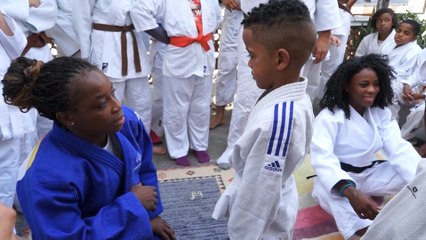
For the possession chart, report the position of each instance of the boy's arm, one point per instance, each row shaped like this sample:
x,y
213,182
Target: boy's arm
x,y
259,192
325,15
146,16
12,39
321,46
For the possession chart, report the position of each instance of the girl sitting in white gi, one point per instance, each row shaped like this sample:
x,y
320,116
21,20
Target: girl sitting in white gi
x,y
381,41
262,200
353,125
92,175
403,59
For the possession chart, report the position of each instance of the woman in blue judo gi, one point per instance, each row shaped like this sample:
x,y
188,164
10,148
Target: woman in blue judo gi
x,y
92,176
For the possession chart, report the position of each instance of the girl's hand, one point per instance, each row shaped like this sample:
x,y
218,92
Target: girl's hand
x,y
161,228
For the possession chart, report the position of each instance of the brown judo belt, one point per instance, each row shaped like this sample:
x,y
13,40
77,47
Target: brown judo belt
x,y
37,40
123,30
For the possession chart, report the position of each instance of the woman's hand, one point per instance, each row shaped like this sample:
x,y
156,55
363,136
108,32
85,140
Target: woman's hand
x,y
146,195
364,205
162,229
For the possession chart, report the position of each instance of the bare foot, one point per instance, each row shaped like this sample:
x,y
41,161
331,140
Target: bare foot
x,y
158,150
218,118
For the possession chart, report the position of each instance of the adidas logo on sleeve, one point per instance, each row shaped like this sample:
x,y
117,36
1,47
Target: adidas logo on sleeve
x,y
273,167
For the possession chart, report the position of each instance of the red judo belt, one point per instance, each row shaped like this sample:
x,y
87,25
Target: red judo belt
x,y
123,30
183,41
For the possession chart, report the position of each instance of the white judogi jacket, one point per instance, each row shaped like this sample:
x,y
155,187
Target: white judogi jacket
x,y
261,202
403,59
103,49
38,19
354,141
63,31
13,123
178,19
370,44
403,217
419,75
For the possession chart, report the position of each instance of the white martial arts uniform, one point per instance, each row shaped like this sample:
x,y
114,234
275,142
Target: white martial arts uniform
x,y
103,49
403,60
354,141
226,80
63,32
35,20
262,202
404,216
187,70
156,54
371,44
414,125
337,53
17,129
324,13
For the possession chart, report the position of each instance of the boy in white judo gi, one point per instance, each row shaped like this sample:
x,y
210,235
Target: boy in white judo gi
x,y
323,13
403,60
262,202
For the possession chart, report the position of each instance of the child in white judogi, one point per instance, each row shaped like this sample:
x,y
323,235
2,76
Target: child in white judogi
x,y
414,92
353,125
381,40
188,66
261,202
226,80
403,59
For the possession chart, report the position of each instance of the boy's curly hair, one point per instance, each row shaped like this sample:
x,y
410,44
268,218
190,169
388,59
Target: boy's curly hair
x,y
283,24
335,95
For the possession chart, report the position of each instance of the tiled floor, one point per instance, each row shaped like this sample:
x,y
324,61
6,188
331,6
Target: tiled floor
x,y
217,144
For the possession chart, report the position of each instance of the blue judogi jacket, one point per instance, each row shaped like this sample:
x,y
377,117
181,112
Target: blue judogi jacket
x,y
77,190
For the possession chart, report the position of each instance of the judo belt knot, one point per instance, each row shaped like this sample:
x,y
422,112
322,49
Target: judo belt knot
x,y
123,30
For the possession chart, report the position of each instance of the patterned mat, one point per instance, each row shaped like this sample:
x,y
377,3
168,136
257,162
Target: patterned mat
x,y
189,196
184,191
